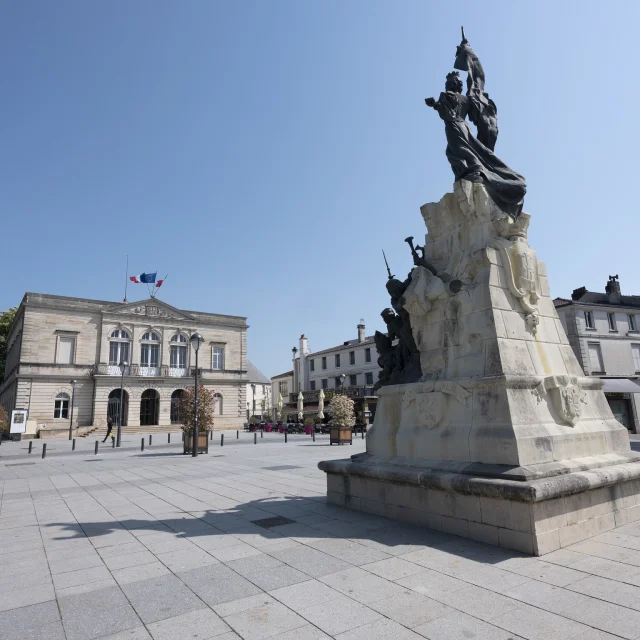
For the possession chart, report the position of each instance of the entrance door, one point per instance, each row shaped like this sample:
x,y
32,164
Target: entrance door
x,y
621,411
113,408
149,407
176,400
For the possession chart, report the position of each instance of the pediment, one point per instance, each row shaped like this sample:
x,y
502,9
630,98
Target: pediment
x,y
150,308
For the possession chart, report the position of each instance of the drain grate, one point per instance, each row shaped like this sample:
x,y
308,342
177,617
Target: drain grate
x,y
19,464
282,467
276,521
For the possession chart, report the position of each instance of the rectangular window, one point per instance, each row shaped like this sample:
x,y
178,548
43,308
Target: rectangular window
x,y
118,352
611,317
632,322
217,358
588,320
65,350
367,355
312,365
352,357
337,360
325,383
337,382
369,377
595,358
324,362
635,350
283,388
61,409
353,380
312,384
178,357
149,355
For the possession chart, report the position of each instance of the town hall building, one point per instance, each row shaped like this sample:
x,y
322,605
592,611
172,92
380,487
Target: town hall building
x,y
55,340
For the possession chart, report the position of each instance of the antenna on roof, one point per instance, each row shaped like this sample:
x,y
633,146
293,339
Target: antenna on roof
x,y
126,279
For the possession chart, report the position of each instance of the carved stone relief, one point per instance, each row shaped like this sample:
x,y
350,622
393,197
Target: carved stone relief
x,y
566,396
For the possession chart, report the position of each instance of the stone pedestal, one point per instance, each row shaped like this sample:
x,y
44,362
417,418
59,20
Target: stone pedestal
x,y
503,439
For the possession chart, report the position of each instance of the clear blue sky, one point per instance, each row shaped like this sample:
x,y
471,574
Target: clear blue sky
x,y
262,153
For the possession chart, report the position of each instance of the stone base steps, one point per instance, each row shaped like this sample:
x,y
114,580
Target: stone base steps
x,y
143,430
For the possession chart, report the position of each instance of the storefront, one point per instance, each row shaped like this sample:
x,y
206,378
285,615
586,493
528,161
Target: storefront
x,y
622,394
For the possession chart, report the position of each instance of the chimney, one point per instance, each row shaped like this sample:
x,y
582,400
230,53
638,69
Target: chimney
x,y
304,348
613,290
361,335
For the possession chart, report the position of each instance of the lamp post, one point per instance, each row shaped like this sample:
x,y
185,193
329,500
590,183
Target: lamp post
x,y
73,397
196,341
253,388
294,351
342,377
123,365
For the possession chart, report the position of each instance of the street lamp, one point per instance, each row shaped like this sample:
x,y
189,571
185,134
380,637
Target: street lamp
x,y
196,341
73,397
253,388
123,365
342,377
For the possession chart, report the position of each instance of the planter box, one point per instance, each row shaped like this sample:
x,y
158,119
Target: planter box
x,y
340,435
203,443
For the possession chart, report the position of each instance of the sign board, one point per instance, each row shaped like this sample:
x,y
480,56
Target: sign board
x,y
18,421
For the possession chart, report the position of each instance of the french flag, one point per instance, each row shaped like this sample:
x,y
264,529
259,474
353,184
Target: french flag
x,y
146,278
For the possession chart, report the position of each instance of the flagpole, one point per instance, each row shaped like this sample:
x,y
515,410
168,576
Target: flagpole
x,y
126,279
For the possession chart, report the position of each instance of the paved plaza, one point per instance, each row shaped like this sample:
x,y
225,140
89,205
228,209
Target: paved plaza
x,y
240,543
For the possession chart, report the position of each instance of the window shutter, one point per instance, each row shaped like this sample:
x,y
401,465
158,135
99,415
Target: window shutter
x,y
65,350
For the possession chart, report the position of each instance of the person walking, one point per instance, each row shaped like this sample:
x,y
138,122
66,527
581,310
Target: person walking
x,y
109,429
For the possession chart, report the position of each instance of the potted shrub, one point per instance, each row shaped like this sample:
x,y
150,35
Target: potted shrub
x,y
206,403
342,420
309,422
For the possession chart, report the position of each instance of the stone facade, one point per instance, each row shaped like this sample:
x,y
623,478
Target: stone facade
x,y
56,339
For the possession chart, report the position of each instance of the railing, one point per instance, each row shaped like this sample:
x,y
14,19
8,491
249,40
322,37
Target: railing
x,y
351,392
137,370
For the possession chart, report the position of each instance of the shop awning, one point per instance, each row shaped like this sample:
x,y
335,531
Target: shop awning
x,y
620,385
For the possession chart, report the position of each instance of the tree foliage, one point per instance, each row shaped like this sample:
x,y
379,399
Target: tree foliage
x,y
6,319
4,420
206,405
341,411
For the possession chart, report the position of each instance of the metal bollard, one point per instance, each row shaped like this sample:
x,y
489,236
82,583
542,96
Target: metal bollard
x,y
237,434
255,438
211,435
285,437
262,433
363,430
183,436
113,443
44,449
73,445
168,438
96,449
150,437
142,445
222,439
30,445
313,435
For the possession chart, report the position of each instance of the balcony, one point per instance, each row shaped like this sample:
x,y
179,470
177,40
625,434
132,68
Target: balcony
x,y
138,371
351,392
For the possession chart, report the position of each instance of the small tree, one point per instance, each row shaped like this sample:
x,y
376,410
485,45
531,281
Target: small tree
x,y
4,420
341,411
206,404
310,420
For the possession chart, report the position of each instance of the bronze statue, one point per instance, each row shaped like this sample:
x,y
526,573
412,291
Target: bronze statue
x,y
469,157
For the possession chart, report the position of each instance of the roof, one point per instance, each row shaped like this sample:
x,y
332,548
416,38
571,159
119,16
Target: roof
x,y
591,299
255,375
345,345
283,375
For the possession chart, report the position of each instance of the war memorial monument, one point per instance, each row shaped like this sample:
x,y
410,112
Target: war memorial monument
x,y
486,426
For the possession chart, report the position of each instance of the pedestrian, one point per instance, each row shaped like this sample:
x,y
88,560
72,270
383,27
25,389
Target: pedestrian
x,y
109,429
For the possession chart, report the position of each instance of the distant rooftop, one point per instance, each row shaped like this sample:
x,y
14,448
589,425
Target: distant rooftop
x,y
344,345
255,375
612,297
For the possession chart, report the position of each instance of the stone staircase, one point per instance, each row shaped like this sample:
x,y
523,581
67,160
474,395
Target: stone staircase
x,y
101,432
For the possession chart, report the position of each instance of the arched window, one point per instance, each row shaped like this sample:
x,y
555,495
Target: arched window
x,y
118,350
150,354
217,410
178,355
176,406
61,408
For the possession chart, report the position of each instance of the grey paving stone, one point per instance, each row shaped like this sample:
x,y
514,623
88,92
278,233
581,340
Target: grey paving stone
x,y
535,624
217,583
410,608
264,621
236,606
82,576
277,577
200,624
140,572
307,632
541,570
310,561
253,564
392,568
135,633
626,595
305,594
74,563
114,562
185,559
606,616
338,616
85,588
160,598
362,585
480,603
457,626
34,622
14,598
349,551
382,630
546,596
